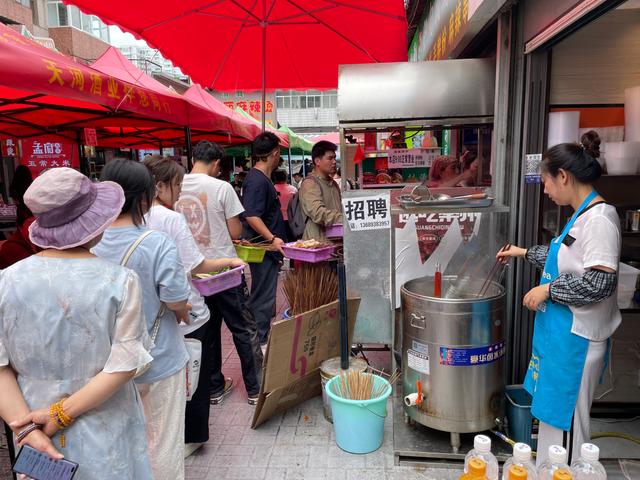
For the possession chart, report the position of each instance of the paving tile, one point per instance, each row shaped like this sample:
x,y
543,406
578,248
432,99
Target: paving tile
x,y
306,474
341,459
276,474
366,474
229,449
261,456
196,472
232,460
288,460
245,473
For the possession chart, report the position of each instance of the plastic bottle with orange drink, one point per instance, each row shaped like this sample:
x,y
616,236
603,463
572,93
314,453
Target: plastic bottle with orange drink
x,y
476,470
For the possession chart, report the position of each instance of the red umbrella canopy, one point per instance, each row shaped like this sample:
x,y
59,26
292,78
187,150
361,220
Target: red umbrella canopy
x,y
224,44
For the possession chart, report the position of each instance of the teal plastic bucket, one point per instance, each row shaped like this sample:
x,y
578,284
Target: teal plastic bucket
x,y
359,424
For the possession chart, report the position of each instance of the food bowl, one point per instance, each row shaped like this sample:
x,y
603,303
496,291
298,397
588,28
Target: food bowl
x,y
219,282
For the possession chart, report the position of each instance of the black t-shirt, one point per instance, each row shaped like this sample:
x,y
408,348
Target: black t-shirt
x,y
260,199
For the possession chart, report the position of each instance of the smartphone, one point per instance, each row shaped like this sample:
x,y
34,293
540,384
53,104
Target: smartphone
x,y
41,466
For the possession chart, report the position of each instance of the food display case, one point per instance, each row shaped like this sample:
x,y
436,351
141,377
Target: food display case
x,y
447,105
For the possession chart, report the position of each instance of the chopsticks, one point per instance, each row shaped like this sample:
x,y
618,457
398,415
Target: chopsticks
x,y
494,269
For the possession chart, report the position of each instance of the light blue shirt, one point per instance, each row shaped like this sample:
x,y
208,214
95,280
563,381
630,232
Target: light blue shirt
x,y
162,278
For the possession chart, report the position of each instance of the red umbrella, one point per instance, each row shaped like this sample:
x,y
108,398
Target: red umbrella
x,y
263,44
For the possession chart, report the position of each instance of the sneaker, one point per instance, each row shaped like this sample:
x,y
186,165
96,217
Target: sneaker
x,y
253,399
217,398
190,448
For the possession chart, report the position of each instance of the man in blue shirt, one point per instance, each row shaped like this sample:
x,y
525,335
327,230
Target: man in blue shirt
x,y
263,218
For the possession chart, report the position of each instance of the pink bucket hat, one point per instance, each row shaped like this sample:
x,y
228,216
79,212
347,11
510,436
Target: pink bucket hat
x,y
70,209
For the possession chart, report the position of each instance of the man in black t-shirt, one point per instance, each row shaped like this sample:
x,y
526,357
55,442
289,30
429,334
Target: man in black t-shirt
x,y
263,219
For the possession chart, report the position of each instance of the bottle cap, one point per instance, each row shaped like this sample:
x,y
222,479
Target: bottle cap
x,y
557,454
521,452
517,472
562,474
590,452
482,444
477,467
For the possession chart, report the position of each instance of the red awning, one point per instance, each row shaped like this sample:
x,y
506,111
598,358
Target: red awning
x,y
333,137
244,126
225,44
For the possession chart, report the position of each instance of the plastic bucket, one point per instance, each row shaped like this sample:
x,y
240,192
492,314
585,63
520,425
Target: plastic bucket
x,y
519,418
331,368
359,424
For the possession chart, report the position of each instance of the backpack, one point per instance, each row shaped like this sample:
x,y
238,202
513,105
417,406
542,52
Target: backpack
x,y
297,218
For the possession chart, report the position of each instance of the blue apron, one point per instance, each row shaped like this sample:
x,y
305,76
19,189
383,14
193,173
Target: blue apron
x,y
558,356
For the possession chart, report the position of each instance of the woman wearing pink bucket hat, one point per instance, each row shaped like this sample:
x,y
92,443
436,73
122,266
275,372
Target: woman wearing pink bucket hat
x,y
72,335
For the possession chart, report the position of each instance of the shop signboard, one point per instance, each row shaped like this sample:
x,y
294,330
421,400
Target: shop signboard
x,y
90,137
10,147
251,102
410,157
367,213
432,227
42,153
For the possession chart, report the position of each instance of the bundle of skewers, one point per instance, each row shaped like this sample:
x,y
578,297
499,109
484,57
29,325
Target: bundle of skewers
x,y
310,286
253,242
355,385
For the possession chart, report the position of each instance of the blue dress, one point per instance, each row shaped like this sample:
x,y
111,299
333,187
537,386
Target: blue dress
x,y
62,321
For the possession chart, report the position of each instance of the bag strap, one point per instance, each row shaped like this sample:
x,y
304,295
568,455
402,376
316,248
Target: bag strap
x,y
124,261
133,247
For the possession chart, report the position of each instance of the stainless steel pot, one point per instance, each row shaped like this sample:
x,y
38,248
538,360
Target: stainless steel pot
x,y
455,348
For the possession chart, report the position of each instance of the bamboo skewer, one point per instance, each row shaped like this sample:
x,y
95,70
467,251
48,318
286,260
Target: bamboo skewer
x,y
310,287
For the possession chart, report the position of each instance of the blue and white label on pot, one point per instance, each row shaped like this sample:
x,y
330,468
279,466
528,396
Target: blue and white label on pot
x,y
420,347
418,361
457,357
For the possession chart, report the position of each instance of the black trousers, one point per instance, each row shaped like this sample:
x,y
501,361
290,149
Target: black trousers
x,y
231,306
264,287
197,412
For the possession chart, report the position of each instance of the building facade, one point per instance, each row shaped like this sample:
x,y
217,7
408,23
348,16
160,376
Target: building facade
x,y
55,24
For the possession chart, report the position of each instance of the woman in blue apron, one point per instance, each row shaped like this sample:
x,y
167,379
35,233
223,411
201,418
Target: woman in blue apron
x,y
575,303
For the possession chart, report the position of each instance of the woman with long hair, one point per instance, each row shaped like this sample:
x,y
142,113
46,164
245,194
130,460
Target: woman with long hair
x,y
168,176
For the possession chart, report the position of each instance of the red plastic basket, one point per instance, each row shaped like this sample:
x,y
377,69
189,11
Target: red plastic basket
x,y
308,254
220,282
334,231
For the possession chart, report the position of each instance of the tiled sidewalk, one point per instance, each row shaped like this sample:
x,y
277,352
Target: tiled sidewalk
x,y
298,444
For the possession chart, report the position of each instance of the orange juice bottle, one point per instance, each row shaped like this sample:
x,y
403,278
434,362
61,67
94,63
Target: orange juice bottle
x,y
477,470
562,474
516,472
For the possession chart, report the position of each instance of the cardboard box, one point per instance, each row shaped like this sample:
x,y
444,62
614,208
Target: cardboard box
x,y
296,349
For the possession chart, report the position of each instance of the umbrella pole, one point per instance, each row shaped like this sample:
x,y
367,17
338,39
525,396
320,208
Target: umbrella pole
x,y
264,66
290,168
344,322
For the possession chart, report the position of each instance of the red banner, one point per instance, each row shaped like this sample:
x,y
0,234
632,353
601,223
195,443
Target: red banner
x,y
90,137
49,152
10,147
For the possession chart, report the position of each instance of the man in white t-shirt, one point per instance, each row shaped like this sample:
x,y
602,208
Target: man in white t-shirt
x,y
212,210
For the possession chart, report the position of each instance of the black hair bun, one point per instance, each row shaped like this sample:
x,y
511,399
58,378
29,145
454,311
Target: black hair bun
x,y
591,143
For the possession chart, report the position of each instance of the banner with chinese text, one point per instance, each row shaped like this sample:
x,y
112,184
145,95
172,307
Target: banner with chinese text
x,y
367,213
49,152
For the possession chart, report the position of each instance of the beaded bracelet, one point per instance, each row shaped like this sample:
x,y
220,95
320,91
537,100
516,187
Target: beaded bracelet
x,y
59,416
27,430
